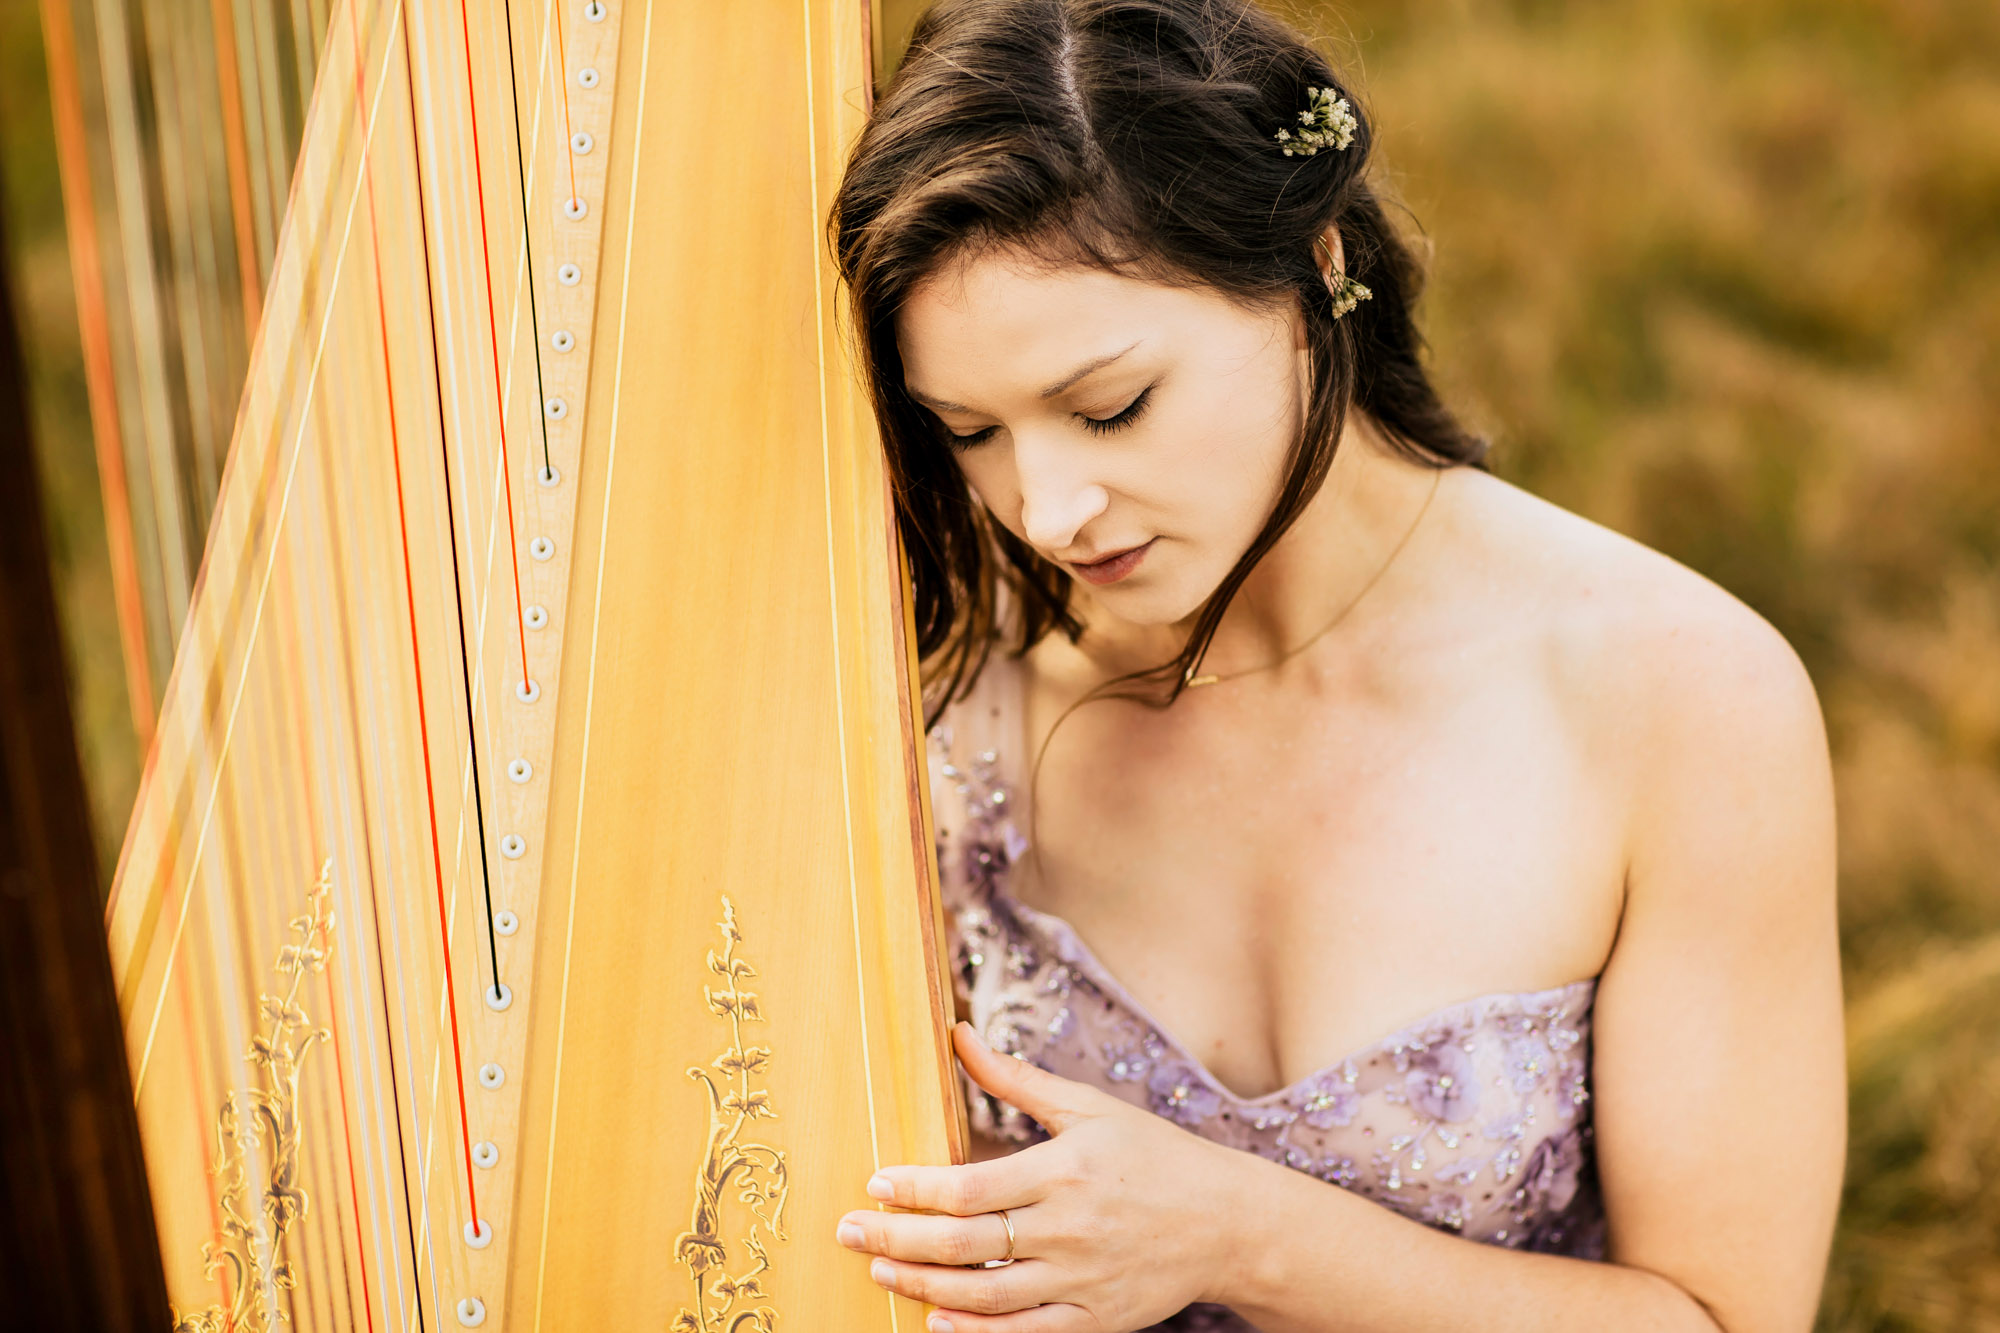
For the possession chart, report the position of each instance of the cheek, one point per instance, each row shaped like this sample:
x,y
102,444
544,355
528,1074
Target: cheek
x,y
1223,464
993,485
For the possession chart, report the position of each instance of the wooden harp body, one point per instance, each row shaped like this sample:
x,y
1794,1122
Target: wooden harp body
x,y
527,921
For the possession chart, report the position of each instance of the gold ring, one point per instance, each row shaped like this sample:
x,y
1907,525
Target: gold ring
x,y
1007,1222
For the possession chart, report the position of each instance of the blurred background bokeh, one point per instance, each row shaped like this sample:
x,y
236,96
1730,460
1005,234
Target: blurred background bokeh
x,y
1721,274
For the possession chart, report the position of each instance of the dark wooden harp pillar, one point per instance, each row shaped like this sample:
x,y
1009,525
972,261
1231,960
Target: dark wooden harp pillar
x,y
528,918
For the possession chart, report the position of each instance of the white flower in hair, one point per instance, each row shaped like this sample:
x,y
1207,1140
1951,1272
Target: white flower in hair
x,y
1328,121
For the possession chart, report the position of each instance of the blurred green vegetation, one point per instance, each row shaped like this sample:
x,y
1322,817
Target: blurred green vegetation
x,y
1721,274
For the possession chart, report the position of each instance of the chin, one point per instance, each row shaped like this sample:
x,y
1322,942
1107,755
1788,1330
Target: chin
x,y
1146,607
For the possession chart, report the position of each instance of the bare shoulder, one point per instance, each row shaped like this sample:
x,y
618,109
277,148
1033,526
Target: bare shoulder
x,y
1663,669
1717,1024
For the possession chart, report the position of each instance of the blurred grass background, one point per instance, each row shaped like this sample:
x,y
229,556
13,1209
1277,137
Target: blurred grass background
x,y
1725,275
38,262
1721,274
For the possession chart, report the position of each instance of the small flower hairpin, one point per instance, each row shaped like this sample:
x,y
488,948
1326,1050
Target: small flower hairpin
x,y
1347,293
1328,122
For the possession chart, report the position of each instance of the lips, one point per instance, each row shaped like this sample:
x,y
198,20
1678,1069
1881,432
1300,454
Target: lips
x,y
1113,567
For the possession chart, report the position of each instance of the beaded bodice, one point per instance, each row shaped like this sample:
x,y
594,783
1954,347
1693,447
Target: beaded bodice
x,y
1474,1119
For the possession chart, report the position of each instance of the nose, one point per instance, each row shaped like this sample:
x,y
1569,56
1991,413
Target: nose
x,y
1057,497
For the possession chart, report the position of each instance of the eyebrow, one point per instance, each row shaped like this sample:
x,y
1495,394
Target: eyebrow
x,y
1065,382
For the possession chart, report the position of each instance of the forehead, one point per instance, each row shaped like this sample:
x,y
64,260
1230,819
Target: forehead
x,y
995,319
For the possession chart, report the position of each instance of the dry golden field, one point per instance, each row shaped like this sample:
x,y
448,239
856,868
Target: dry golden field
x,y
1721,274
1725,275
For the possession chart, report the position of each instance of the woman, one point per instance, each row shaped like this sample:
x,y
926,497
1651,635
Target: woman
x,y
1457,875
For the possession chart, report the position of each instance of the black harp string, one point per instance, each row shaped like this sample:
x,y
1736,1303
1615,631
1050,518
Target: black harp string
x,y
450,510
527,240
350,676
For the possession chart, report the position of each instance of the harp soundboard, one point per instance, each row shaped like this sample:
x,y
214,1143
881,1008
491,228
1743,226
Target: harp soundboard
x,y
528,917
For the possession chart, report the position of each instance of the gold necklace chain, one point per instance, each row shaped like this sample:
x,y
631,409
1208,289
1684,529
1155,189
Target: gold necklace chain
x,y
1194,680
1042,750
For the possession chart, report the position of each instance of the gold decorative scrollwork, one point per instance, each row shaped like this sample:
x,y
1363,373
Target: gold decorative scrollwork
x,y
755,1171
251,1248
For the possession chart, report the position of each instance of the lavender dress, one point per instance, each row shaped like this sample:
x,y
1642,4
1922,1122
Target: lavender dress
x,y
1474,1119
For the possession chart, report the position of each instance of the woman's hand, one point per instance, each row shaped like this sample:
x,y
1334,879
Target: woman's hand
x,y
1119,1220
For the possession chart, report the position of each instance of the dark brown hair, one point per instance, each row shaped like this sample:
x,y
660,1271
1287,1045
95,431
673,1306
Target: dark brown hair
x,y
1136,136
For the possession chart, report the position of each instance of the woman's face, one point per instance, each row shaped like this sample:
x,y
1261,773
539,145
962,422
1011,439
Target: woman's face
x,y
1096,414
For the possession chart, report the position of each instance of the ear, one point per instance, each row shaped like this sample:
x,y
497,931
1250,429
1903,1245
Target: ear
x,y
1329,255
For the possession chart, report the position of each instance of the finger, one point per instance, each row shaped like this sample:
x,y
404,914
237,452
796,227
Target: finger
x,y
1061,1317
931,1238
1021,1285
1055,1102
1013,1181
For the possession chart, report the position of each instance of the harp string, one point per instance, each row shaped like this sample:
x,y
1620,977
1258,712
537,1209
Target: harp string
x,y
390,1148
298,684
301,700
450,509
493,341
527,242
562,84
410,603
631,184
833,590
259,605
321,707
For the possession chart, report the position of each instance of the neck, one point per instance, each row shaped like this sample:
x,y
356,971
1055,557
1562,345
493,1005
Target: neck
x,y
1343,546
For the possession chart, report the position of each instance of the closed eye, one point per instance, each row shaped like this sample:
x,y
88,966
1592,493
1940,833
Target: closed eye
x,y
962,442
1095,425
1133,411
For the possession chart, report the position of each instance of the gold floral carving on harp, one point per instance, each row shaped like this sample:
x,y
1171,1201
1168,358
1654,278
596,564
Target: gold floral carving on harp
x,y
756,1171
251,1247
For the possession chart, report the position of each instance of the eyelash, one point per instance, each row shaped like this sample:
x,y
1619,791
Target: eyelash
x,y
1095,425
1133,411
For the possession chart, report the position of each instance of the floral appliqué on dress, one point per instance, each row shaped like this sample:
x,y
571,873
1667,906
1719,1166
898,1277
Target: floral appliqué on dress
x,y
1474,1120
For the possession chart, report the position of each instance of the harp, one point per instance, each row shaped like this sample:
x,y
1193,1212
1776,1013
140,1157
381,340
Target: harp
x,y
527,919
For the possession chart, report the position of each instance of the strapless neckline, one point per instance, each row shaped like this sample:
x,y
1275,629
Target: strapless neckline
x,y
1055,928
1474,1118
1076,951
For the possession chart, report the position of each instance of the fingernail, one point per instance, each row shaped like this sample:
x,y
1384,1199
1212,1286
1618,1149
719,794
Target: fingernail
x,y
879,1270
879,1187
939,1324
849,1235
